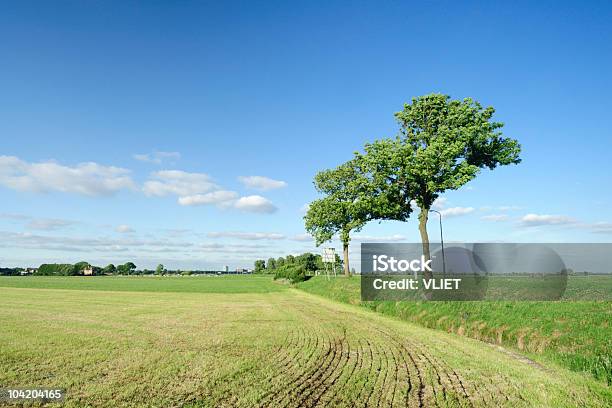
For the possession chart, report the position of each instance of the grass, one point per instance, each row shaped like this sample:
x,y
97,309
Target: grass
x,y
574,334
193,284
221,346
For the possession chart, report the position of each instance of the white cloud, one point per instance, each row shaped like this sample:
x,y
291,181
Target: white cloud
x,y
86,244
601,227
495,217
456,211
509,208
302,238
157,157
246,235
255,203
124,229
49,224
261,183
45,224
199,189
220,197
91,179
531,220
179,183
439,203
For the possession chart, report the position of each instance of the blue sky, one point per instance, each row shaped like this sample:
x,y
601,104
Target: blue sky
x,y
131,131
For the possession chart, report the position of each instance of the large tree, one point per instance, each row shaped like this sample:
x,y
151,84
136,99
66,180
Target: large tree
x,y
343,209
443,144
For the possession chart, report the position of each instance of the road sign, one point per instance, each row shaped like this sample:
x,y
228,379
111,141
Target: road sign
x,y
329,255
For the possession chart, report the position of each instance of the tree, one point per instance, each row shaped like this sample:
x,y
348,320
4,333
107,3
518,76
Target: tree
x,y
280,262
160,269
443,144
346,207
79,267
271,264
127,268
308,261
260,266
55,269
109,269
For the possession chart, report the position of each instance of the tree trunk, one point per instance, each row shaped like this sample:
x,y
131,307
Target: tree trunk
x,y
347,271
423,216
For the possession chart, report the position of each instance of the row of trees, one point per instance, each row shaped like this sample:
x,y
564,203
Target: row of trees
x,y
11,271
77,269
442,144
294,268
312,262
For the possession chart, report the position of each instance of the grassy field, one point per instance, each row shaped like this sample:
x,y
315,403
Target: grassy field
x,y
197,284
575,334
224,345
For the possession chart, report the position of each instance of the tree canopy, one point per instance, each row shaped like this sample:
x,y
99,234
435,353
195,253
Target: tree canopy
x,y
443,144
344,208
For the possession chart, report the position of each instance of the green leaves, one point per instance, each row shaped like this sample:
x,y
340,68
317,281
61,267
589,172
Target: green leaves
x,y
442,145
344,208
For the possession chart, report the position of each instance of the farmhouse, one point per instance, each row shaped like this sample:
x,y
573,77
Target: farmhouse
x,y
88,271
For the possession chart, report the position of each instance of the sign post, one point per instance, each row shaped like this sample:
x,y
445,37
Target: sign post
x,y
329,257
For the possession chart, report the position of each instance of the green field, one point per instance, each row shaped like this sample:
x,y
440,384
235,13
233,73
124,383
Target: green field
x,y
197,284
573,333
247,341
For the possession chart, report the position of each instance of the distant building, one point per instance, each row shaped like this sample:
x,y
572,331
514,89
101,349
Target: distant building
x,y
28,271
88,271
226,268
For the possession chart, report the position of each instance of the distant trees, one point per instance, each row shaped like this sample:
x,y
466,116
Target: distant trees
x,y
126,269
77,269
10,271
56,269
160,270
260,266
109,269
293,268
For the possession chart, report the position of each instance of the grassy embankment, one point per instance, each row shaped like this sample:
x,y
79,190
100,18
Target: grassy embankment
x,y
575,333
